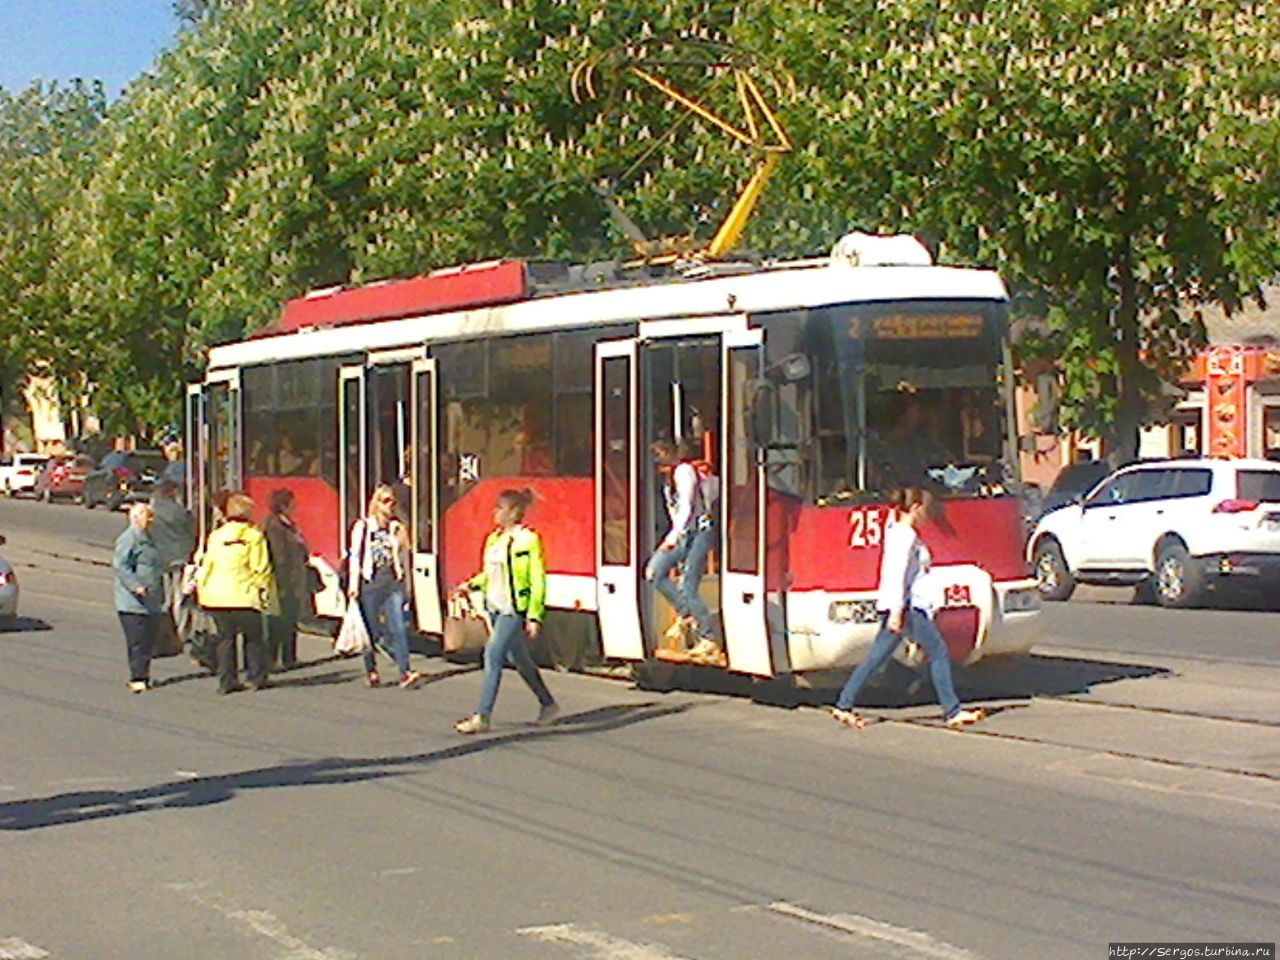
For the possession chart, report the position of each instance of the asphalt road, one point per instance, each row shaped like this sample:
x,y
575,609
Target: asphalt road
x,y
1125,789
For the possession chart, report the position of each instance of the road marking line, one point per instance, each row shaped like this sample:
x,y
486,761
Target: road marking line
x,y
11,948
922,944
602,945
266,925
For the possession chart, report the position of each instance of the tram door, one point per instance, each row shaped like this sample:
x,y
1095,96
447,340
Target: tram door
x,y
424,496
351,424
193,452
219,443
616,473
742,517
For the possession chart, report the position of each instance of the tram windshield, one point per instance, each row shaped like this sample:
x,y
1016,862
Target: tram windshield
x,y
902,393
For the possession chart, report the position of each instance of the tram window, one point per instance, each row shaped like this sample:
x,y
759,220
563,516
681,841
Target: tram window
x,y
574,353
575,432
574,439
519,408
464,370
387,433
898,393
289,411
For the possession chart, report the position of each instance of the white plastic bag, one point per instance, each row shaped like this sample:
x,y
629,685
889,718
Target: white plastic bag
x,y
353,635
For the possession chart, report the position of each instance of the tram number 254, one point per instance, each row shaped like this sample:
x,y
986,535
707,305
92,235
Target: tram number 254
x,y
866,527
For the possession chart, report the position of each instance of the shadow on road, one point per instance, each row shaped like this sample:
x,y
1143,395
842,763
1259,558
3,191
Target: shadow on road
x,y
23,625
1001,678
82,806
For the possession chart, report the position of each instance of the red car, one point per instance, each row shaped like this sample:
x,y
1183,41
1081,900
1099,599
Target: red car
x,y
63,476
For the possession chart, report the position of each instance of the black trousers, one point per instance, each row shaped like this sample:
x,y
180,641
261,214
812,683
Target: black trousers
x,y
233,624
282,632
139,633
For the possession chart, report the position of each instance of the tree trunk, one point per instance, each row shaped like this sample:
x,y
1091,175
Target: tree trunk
x,y
1123,436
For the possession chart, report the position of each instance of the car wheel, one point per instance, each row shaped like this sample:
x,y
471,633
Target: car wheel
x,y
1178,580
1055,579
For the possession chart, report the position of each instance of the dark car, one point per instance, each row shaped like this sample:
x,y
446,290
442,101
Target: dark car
x,y
1073,482
123,476
63,476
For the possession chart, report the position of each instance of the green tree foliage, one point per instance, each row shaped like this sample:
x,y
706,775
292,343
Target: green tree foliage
x,y
47,141
1114,158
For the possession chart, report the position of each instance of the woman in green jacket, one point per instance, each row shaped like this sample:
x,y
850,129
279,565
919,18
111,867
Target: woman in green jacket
x,y
234,585
513,580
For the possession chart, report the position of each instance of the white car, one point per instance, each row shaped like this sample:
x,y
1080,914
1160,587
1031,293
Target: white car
x,y
1174,527
18,473
8,589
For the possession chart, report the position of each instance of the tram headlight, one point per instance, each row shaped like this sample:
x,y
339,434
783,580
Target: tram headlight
x,y
853,611
1022,601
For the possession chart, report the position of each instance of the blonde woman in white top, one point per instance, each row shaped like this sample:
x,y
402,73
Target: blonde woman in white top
x,y
906,607
376,577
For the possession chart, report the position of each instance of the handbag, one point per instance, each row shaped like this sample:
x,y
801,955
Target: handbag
x,y
353,635
465,628
165,641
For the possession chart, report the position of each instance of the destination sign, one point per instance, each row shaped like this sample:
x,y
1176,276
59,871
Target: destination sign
x,y
927,326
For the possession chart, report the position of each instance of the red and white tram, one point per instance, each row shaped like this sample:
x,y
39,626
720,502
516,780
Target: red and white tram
x,y
812,386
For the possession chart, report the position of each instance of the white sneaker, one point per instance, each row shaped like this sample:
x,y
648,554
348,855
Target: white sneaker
x,y
963,717
547,715
137,686
705,649
473,724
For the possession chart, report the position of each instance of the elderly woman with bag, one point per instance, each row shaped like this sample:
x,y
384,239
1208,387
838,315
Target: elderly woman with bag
x,y
234,584
139,592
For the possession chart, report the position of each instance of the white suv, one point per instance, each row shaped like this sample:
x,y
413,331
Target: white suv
x,y
18,474
1175,528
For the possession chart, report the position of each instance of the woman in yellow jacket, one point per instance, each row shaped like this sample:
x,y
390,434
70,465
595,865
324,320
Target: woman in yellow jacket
x,y
234,585
513,581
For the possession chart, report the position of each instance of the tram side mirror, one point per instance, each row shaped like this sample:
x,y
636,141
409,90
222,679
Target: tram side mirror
x,y
763,409
791,368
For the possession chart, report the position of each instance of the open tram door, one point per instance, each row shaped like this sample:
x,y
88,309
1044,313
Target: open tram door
x,y
422,483
741,511
193,451
617,565
214,457
351,424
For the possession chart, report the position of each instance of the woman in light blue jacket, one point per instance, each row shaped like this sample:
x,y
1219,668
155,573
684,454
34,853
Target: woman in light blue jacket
x,y
139,592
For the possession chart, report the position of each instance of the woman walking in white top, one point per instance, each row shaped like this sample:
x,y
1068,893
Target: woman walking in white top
x,y
903,601
376,578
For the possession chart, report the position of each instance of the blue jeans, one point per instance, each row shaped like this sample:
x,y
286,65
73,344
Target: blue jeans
x,y
925,632
506,645
383,609
691,552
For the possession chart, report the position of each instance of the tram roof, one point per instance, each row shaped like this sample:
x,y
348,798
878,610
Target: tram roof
x,y
572,298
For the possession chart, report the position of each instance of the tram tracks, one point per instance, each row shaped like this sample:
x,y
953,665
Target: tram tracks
x,y
1100,749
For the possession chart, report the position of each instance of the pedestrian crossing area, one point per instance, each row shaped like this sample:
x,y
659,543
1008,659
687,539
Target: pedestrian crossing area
x,y
775,929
